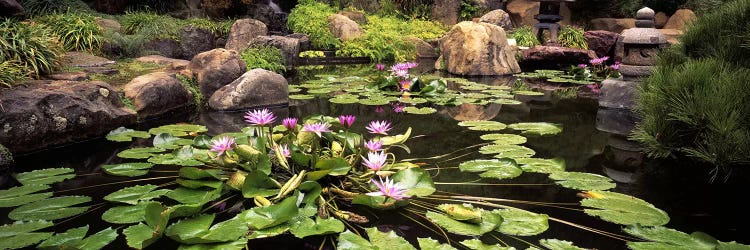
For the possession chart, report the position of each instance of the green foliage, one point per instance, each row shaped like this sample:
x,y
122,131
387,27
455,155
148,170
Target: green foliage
x,y
127,70
468,10
311,18
75,31
265,57
43,7
524,36
623,209
11,72
50,209
218,28
32,46
45,176
150,25
704,6
727,27
572,37
130,45
190,84
379,46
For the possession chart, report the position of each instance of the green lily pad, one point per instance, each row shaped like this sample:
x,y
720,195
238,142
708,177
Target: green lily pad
x,y
123,134
235,245
430,244
198,230
168,141
420,111
483,125
142,235
129,169
318,226
321,91
301,97
126,214
476,244
537,128
507,151
268,232
276,214
522,223
495,92
489,222
45,176
477,96
74,239
536,165
495,168
582,181
179,130
506,101
665,238
507,139
194,173
343,100
555,244
193,196
17,196
387,240
50,209
417,181
139,153
396,139
374,101
133,195
623,209
415,100
294,89
181,157
259,184
22,234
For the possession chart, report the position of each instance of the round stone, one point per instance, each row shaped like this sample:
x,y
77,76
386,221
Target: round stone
x,y
645,14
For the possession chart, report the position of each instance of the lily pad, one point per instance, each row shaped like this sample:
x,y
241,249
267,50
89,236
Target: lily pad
x,y
416,181
522,223
489,222
373,101
420,111
318,226
133,195
343,100
507,139
582,181
123,134
45,176
129,169
537,128
528,93
496,168
665,238
74,239
181,157
235,245
264,217
415,100
142,235
387,240
507,151
537,165
193,196
294,89
198,230
476,244
430,244
258,184
139,153
477,96
623,209
22,234
301,97
555,244
268,232
168,141
17,196
321,91
50,209
507,101
483,125
473,87
126,214
179,130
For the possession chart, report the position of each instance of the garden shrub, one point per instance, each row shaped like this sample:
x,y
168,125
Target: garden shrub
x,y
129,45
384,38
704,6
524,36
43,7
723,34
572,37
75,31
150,25
10,73
31,45
264,57
468,11
311,18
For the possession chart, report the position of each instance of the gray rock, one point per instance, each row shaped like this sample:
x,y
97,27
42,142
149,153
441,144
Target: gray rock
x,y
69,76
110,25
195,40
163,46
357,17
243,31
171,63
551,56
304,41
619,94
616,121
446,11
215,68
344,28
84,60
602,42
289,47
424,49
157,94
10,8
660,19
499,18
474,48
257,87
616,25
43,114
634,72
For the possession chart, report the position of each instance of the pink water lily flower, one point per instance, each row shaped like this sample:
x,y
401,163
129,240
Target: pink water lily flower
x,y
347,120
289,123
582,65
398,107
284,150
389,189
317,128
598,61
379,127
260,117
375,160
374,145
380,67
222,144
615,66
405,85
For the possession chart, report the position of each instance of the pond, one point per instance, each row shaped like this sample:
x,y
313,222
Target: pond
x,y
439,145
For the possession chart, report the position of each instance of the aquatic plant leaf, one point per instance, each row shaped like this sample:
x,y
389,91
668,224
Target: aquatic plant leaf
x,y
420,111
342,100
50,209
318,226
623,209
495,92
387,240
507,151
502,173
337,166
522,223
477,96
235,245
732,246
474,87
126,214
665,238
197,173
379,202
202,141
59,240
293,89
215,184
179,130
396,139
476,244
193,196
484,165
123,134
130,169
45,176
321,91
98,240
181,157
506,101
582,181
410,100
528,93
489,222
301,97
555,244
168,141
198,230
17,196
483,125
265,217
373,101
133,195
21,234
537,165
142,235
268,232
416,181
537,128
139,153
350,241
507,139
258,184
430,244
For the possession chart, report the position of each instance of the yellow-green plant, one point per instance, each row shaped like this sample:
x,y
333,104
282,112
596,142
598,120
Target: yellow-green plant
x,y
524,37
11,72
219,28
75,31
311,17
265,57
150,25
43,7
31,45
572,37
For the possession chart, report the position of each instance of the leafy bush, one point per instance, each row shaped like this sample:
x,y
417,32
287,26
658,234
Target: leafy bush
x,y
191,85
379,46
468,10
43,7
150,25
728,31
219,28
32,46
265,57
75,31
11,72
704,6
572,37
524,37
311,18
129,45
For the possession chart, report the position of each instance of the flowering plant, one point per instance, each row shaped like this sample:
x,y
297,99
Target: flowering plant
x,y
597,70
398,78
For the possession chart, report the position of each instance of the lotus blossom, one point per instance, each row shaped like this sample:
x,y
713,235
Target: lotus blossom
x,y
380,67
615,66
389,189
404,66
317,128
400,72
379,127
398,107
347,120
375,160
284,150
598,61
405,85
582,65
260,117
289,123
222,144
374,145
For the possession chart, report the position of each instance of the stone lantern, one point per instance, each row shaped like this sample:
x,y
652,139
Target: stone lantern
x,y
549,15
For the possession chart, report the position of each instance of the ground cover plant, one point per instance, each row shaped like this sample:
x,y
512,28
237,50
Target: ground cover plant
x,y
32,46
265,57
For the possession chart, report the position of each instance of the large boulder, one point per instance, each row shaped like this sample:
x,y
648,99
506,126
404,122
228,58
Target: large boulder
x,y
215,68
424,49
673,36
475,48
11,8
522,12
274,19
355,16
170,63
499,18
616,25
660,19
46,113
344,28
446,11
110,25
554,57
602,42
195,40
157,93
257,87
163,46
680,19
243,31
289,47
304,41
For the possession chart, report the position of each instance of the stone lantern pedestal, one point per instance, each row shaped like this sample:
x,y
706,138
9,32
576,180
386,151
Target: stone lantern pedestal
x,y
549,15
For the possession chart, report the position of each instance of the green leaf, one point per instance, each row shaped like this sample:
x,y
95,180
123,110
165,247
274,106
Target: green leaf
x,y
489,222
236,245
536,165
197,173
50,209
732,246
387,240
265,217
665,238
417,181
350,241
142,235
555,244
198,230
181,157
420,111
623,209
337,166
301,97
269,232
507,101
378,202
476,244
202,141
178,129
259,184
430,244
123,134
483,125
126,214
133,195
139,153
373,101
522,223
21,234
168,141
495,168
215,184
62,240
318,226
396,139
17,196
507,151
99,240
45,176
130,169
582,181
507,139
193,196
528,93
537,128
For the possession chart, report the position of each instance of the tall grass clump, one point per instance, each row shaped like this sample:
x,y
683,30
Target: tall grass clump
x,y
150,25
524,36
32,46
697,102
572,37
264,57
11,72
311,17
44,7
384,38
75,31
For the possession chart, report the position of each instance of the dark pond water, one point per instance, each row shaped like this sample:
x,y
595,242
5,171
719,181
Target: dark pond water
x,y
682,190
